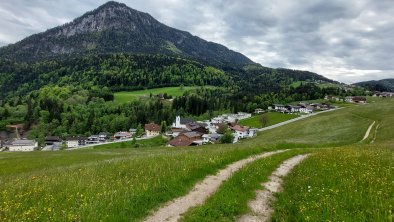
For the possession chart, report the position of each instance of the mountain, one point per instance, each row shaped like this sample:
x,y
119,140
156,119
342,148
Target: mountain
x,y
116,28
384,85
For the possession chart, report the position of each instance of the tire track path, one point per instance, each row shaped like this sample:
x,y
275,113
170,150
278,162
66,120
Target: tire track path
x,y
173,210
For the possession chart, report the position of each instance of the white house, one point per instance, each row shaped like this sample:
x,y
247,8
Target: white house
x,y
306,109
23,145
240,131
279,107
252,132
294,109
152,129
205,138
73,142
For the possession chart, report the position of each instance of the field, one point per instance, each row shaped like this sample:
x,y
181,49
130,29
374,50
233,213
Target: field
x,y
153,142
118,184
347,184
273,118
124,97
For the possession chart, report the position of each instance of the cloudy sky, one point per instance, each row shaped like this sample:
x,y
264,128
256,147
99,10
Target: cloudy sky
x,y
349,41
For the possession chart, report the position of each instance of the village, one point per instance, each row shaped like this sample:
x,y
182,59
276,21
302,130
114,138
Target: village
x,y
183,131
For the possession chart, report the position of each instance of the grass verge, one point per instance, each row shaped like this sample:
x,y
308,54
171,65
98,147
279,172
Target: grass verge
x,y
346,184
120,189
273,117
153,142
230,201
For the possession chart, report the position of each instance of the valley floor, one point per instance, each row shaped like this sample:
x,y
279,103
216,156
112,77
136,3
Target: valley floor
x,y
345,176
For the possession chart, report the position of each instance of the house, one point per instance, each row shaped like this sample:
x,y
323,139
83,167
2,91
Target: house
x,y
181,122
252,132
122,135
180,141
51,140
132,131
104,136
197,127
349,99
293,109
93,139
259,110
152,129
73,142
306,109
240,132
359,99
23,145
205,138
214,137
279,107
174,132
187,139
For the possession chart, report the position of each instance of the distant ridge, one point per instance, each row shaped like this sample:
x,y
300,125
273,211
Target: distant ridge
x,y
378,85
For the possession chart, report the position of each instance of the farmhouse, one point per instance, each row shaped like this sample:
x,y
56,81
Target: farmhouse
x,y
240,131
306,109
122,135
93,139
51,140
73,142
23,145
197,127
152,129
259,110
279,107
187,139
104,136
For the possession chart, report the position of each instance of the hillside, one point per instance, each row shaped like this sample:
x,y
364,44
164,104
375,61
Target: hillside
x,y
384,85
116,28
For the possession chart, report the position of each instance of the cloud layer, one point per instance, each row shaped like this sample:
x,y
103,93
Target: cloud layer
x,y
348,41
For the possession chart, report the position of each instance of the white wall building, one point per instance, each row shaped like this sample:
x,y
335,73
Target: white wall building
x,y
23,145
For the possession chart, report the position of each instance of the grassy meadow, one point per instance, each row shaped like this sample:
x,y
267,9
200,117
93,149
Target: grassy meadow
x,y
273,118
347,184
152,142
127,184
124,97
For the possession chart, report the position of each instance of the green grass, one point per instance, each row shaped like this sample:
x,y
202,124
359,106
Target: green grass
x,y
273,117
153,142
124,97
231,199
351,184
126,184
122,188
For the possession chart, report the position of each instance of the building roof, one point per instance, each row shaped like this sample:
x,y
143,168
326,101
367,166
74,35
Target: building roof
x,y
192,134
194,126
121,134
185,121
152,127
23,143
239,128
180,141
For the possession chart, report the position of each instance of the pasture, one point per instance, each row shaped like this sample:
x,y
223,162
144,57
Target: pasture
x,y
119,184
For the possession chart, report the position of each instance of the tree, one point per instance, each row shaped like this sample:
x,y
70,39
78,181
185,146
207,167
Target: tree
x,y
227,137
264,120
163,126
222,128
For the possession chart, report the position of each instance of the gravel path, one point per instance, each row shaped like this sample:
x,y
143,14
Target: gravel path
x,y
173,210
368,131
260,207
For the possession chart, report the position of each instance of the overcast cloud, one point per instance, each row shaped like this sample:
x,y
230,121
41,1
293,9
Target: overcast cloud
x,y
349,41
